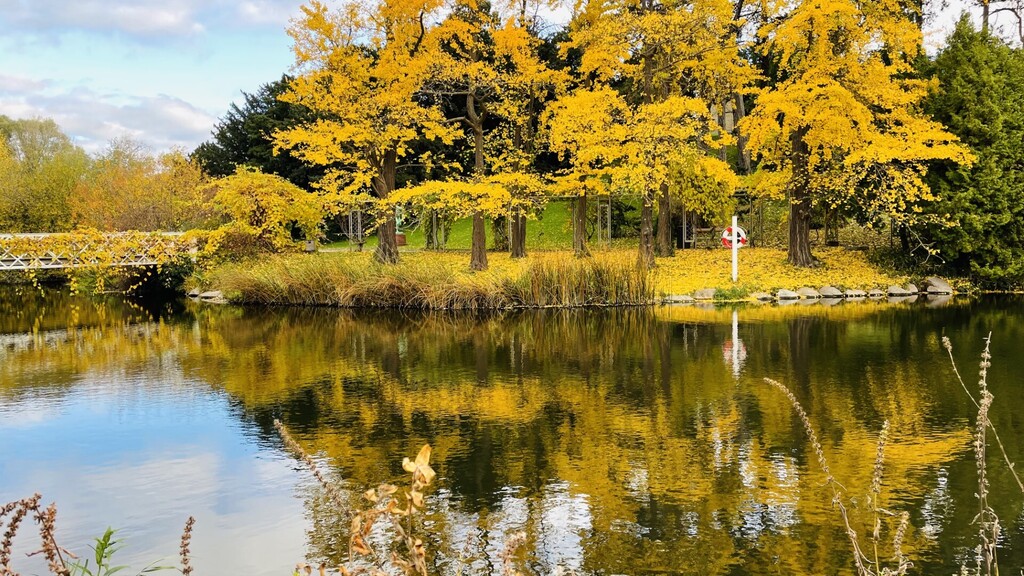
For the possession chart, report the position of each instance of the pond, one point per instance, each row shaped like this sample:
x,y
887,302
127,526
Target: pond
x,y
620,441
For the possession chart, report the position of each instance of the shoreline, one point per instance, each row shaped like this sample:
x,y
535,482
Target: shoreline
x,y
443,281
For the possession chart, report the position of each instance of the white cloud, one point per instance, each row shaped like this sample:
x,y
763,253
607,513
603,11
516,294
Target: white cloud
x,y
148,20
161,122
267,12
143,18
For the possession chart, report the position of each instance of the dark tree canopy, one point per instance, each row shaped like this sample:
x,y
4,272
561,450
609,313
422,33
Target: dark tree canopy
x,y
981,100
244,136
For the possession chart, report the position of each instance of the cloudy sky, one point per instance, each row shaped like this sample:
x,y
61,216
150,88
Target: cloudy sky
x,y
158,71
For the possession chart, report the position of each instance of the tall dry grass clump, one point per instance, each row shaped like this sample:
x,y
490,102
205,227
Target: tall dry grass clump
x,y
60,561
320,280
986,520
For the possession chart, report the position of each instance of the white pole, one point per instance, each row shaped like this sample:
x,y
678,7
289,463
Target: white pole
x,y
735,247
735,343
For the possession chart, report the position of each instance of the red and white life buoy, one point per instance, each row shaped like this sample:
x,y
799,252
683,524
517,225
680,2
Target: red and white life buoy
x,y
727,237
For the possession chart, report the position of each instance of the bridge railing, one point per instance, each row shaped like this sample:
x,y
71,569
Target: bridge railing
x,y
83,249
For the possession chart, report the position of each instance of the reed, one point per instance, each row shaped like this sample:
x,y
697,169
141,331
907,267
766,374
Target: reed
x,y
186,542
323,280
330,488
865,566
989,528
987,521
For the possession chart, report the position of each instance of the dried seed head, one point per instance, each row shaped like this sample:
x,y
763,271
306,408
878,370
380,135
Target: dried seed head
x,y
876,477
186,541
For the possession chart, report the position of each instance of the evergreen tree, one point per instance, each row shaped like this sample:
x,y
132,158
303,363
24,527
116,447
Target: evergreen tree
x,y
980,99
245,137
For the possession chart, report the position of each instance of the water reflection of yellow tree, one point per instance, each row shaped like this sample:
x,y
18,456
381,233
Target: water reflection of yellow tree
x,y
617,440
585,415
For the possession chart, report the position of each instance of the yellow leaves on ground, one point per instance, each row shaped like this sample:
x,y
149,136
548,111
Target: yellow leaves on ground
x,y
766,269
761,269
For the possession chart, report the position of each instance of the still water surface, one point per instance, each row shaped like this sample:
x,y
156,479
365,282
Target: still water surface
x,y
621,441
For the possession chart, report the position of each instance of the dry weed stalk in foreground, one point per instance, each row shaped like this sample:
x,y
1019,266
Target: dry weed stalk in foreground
x,y
186,541
985,554
865,566
400,513
986,557
46,518
104,548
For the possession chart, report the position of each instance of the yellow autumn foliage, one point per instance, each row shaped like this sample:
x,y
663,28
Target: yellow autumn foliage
x,y
843,125
266,207
359,69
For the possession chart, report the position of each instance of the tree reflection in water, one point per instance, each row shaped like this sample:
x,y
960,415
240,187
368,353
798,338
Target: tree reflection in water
x,y
621,441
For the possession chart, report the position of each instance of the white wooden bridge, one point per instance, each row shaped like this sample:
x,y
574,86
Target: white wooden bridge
x,y
22,252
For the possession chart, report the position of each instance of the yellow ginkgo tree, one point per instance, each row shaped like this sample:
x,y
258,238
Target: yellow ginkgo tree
x,y
498,195
484,60
843,125
360,70
617,148
655,51
265,208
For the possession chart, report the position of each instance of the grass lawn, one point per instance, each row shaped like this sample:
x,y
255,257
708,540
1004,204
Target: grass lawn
x,y
551,231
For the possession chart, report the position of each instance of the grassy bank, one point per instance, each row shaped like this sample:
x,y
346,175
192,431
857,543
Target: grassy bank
x,y
430,280
435,282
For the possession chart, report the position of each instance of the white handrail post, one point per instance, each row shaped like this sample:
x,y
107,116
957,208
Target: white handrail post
x,y
735,247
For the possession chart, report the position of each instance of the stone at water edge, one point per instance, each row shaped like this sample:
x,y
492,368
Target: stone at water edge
x,y
212,295
856,294
830,292
678,299
809,293
762,297
787,295
898,292
901,299
876,293
704,294
194,293
936,285
912,288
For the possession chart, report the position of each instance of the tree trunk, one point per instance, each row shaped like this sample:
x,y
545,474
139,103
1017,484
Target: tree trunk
x,y
664,247
478,250
430,230
499,229
800,204
383,184
478,257
647,232
723,152
743,154
519,234
985,16
579,226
